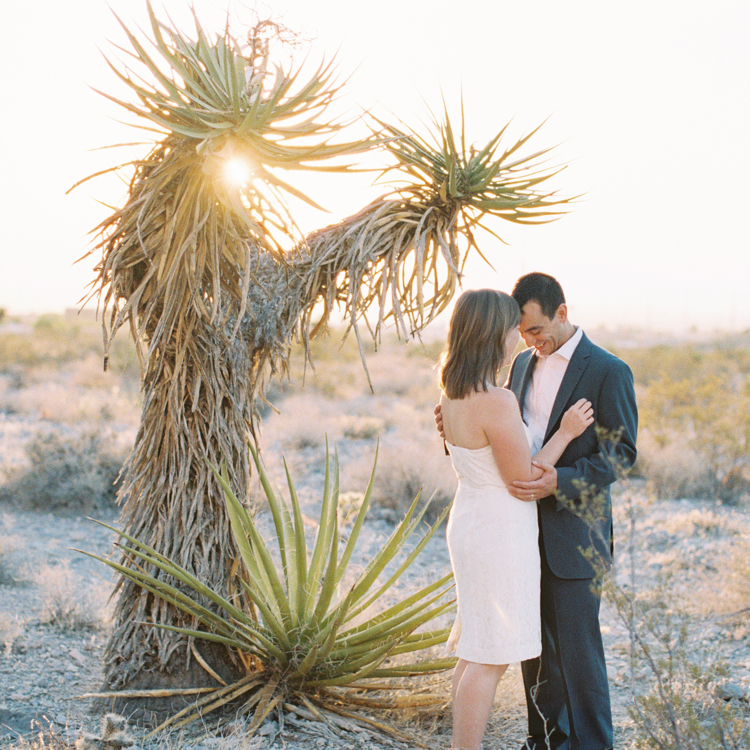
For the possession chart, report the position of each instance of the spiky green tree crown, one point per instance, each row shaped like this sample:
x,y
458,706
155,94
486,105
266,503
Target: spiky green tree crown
x,y
223,95
467,183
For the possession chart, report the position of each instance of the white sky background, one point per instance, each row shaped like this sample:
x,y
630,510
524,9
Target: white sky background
x,y
650,101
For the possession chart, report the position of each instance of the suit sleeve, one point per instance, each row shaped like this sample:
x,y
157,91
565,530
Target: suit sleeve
x,y
616,415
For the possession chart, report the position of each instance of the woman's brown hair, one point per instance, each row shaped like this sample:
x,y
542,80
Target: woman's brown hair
x,y
475,351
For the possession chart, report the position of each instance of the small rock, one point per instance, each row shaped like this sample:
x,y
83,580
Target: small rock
x,y
77,656
731,691
61,719
268,728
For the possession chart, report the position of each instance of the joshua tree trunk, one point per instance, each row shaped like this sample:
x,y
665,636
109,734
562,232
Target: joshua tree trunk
x,y
197,409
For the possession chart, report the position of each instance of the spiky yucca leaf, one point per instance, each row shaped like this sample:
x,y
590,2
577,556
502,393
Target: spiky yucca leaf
x,y
308,637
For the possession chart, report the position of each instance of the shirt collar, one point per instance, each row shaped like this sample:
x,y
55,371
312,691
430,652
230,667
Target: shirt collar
x,y
567,349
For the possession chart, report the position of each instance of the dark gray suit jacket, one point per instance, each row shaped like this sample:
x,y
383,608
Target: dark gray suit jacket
x,y
581,515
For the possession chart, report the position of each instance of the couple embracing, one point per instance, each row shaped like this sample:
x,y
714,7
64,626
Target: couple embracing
x,y
530,458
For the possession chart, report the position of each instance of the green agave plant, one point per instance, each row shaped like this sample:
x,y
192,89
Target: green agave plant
x,y
304,642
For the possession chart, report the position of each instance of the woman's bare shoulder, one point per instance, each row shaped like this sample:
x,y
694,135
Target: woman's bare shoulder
x,y
499,400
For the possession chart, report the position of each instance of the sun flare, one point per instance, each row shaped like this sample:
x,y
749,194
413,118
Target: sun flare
x,y
237,171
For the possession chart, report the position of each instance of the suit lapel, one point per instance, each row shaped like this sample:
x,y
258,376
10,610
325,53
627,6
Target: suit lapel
x,y
576,366
520,384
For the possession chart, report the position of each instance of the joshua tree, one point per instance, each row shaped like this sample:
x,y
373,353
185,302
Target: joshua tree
x,y
215,282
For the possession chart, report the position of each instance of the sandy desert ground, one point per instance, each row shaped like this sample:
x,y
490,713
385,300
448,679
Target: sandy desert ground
x,y
686,557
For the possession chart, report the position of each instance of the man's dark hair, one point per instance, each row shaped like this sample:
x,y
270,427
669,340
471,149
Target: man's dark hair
x,y
541,288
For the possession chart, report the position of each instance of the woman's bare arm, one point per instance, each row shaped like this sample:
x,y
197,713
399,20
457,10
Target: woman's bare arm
x,y
502,424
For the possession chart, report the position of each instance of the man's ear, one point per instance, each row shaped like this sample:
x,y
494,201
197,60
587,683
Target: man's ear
x,y
562,313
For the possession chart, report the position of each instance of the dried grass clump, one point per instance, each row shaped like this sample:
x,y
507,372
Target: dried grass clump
x,y
11,629
673,470
408,465
44,738
7,570
66,607
75,474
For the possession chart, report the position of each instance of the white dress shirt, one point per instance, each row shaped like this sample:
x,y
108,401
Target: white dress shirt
x,y
545,383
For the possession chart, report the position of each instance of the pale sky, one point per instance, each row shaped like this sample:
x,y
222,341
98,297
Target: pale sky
x,y
650,102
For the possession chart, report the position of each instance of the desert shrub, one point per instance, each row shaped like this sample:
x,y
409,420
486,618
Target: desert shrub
x,y
407,466
11,629
7,571
681,693
65,607
76,473
678,681
699,408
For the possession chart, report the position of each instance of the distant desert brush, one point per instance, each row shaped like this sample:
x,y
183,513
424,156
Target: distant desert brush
x,y
69,473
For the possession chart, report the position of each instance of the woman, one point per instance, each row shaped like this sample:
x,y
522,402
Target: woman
x,y
492,537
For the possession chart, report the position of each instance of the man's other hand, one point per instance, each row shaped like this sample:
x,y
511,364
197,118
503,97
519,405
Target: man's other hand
x,y
538,488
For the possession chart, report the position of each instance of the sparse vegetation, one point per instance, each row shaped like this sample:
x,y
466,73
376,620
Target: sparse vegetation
x,y
64,607
691,602
77,474
7,573
694,405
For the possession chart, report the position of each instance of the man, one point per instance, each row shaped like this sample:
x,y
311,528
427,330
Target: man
x,y
567,693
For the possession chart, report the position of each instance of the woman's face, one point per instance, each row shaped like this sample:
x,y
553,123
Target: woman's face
x,y
511,342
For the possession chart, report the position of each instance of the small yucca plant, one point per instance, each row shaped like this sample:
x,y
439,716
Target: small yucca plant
x,y
304,641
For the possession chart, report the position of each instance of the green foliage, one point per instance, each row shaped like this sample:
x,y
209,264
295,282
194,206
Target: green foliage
x,y
312,628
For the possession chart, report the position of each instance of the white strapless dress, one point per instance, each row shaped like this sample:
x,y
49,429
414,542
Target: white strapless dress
x,y
494,550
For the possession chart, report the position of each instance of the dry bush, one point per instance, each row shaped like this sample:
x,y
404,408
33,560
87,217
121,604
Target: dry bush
x,y
674,470
76,474
407,465
65,606
7,570
11,629
695,413
679,681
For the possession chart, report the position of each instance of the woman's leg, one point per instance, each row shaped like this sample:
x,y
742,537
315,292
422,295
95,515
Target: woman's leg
x,y
458,672
474,688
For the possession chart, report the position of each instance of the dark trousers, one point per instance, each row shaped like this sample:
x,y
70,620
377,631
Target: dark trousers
x,y
567,693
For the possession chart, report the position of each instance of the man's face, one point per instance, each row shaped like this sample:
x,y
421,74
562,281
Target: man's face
x,y
545,335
